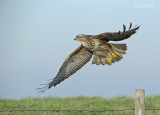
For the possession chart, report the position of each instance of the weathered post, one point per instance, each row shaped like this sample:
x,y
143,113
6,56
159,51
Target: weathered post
x,y
139,102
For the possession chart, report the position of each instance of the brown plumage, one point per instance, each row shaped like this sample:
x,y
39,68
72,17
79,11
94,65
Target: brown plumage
x,y
96,45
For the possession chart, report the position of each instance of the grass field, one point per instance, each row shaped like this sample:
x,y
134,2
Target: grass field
x,y
77,103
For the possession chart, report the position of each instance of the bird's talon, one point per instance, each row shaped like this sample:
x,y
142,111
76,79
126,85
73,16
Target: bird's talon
x,y
114,55
109,60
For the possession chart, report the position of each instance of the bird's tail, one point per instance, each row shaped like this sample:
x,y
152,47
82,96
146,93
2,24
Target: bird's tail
x,y
119,48
109,57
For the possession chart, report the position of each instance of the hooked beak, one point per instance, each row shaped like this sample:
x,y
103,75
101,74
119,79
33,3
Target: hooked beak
x,y
75,38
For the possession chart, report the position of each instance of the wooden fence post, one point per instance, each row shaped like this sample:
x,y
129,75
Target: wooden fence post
x,y
139,102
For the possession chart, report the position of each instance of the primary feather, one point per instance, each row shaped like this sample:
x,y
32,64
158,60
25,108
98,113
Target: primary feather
x,y
118,36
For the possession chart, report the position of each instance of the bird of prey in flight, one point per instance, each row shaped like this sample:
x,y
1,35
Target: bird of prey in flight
x,y
96,46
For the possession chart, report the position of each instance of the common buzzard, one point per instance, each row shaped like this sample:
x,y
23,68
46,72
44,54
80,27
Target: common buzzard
x,y
96,46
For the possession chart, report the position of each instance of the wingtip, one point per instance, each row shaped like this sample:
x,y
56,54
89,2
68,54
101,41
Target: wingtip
x,y
124,28
43,89
136,28
130,26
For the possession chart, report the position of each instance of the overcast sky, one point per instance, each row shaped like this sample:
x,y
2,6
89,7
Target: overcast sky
x,y
37,35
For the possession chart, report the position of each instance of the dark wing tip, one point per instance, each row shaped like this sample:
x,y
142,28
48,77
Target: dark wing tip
x,y
118,36
130,26
136,27
124,28
43,89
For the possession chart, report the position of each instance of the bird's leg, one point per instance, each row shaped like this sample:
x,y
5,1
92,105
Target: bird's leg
x,y
109,60
113,54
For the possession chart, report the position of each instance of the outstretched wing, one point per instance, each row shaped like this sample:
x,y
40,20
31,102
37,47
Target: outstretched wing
x,y
73,63
117,36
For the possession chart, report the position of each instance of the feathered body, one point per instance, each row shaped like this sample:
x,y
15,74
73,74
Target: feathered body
x,y
102,49
96,46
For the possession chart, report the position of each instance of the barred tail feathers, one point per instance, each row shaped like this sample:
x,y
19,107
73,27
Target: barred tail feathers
x,y
99,60
119,48
109,57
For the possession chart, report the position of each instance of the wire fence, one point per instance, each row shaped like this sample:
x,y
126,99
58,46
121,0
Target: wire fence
x,y
155,111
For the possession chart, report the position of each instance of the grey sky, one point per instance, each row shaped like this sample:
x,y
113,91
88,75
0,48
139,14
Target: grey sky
x,y
37,35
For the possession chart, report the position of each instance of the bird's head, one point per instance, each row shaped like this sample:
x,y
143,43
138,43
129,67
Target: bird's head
x,y
80,37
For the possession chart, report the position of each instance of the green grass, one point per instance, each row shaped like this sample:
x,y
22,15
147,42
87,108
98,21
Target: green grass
x,y
77,103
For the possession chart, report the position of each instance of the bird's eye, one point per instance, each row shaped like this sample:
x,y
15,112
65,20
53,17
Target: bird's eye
x,y
78,37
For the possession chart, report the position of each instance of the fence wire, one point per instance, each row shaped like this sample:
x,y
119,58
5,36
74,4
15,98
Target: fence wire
x,y
78,112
